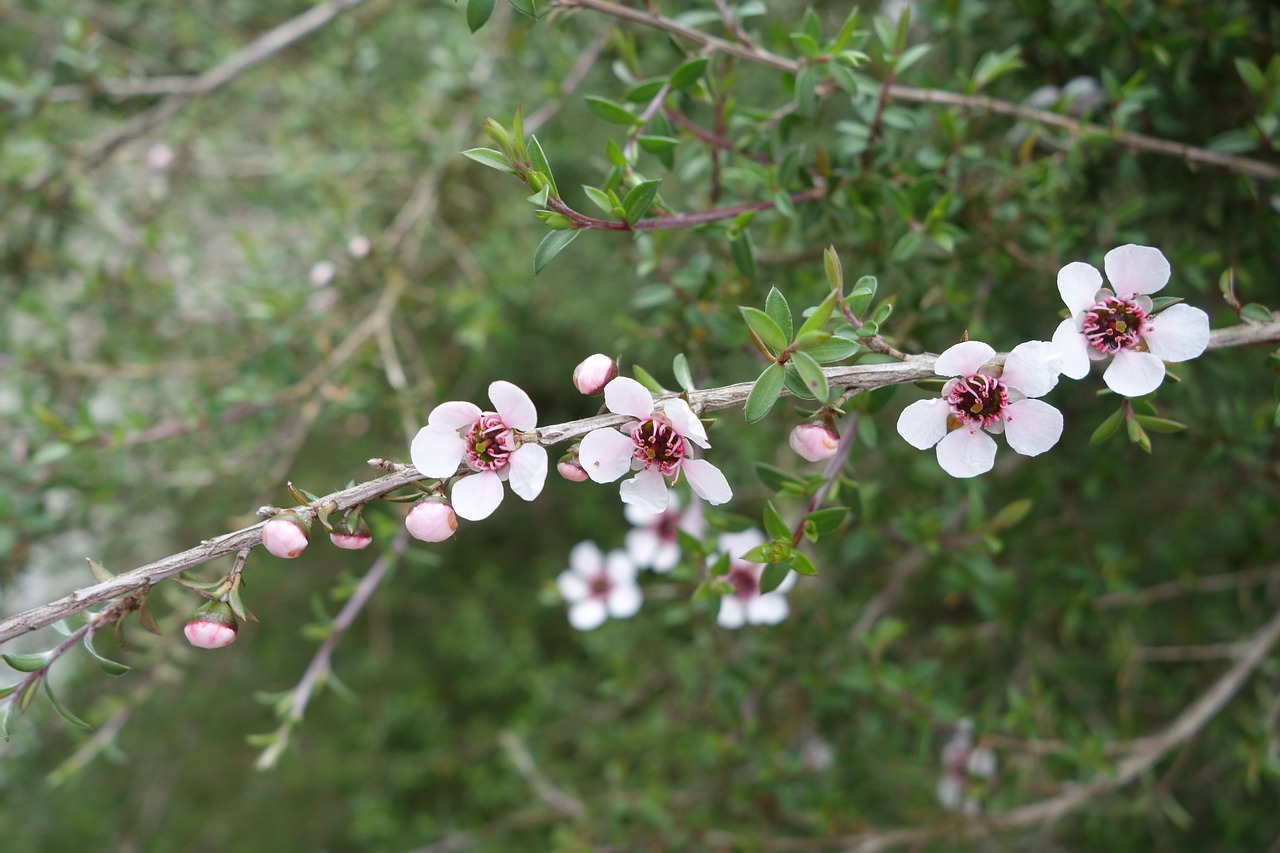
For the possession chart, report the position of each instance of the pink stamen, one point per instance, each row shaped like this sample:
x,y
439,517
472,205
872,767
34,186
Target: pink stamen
x,y
658,445
490,443
1114,324
978,398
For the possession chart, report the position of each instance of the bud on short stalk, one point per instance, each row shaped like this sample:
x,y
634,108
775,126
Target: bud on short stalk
x,y
352,540
594,373
815,441
570,468
212,626
431,520
286,535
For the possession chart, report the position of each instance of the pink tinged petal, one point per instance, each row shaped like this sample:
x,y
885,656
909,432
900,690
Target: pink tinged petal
x,y
668,554
686,422
1033,368
1074,349
732,614
963,358
646,489
572,587
624,396
1078,285
587,615
642,545
1133,270
624,600
476,497
924,423
707,481
513,406
1133,374
1032,426
528,467
768,609
454,415
967,452
1178,333
585,560
437,451
618,568
605,454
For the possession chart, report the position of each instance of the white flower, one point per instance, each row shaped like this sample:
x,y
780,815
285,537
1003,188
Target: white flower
x,y
490,443
597,586
982,396
961,761
746,605
359,246
653,543
322,273
1118,322
659,448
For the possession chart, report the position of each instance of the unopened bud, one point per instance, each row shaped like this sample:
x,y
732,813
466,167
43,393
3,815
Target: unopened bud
x,y
594,373
286,535
814,441
212,626
359,246
431,520
571,469
352,540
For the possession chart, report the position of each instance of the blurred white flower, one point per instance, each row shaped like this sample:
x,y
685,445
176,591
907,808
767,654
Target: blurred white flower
x,y
653,543
597,586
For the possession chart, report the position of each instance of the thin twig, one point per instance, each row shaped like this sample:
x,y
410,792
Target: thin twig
x,y
568,806
1177,589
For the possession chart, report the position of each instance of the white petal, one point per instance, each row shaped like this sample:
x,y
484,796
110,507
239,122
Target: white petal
x,y
625,396
528,466
619,568
587,615
642,545
437,451
787,582
1032,426
707,481
585,560
1078,285
638,517
1178,333
963,358
624,600
1133,270
476,497
605,454
513,405
646,489
572,587
732,614
768,609
967,452
950,791
1074,349
686,422
737,544
924,422
1133,374
1033,368
454,414
668,554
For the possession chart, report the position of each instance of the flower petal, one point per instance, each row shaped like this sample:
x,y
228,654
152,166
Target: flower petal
x,y
924,422
646,489
625,396
585,560
685,421
769,609
528,467
737,544
625,597
477,496
963,359
1133,374
619,568
642,544
605,454
1078,285
572,588
1133,270
587,615
1074,349
437,451
1033,368
514,406
967,452
732,614
1032,426
707,481
1178,333
454,414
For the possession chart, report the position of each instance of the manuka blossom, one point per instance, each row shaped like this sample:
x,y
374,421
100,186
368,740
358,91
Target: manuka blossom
x,y
658,448
496,446
597,586
961,762
431,520
1118,321
815,441
746,605
286,535
652,542
212,626
982,396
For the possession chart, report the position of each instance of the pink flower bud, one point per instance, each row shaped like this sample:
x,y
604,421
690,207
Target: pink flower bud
x,y
351,541
359,246
286,535
431,520
814,441
594,373
570,468
212,626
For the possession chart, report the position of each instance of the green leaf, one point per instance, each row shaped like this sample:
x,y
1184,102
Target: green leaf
x,y
793,383
687,74
810,341
600,199
539,161
765,328
828,520
812,376
609,111
774,525
100,574
662,147
26,663
1137,434
492,159
1011,513
680,367
806,90
525,7
772,577
552,245
743,256
775,305
777,479
764,393
478,12
110,667
237,606
62,709
1256,312
1161,302
1251,74
1160,425
844,78
911,56
802,564
835,349
904,29
646,379
644,92
1108,427
821,314
906,246
639,200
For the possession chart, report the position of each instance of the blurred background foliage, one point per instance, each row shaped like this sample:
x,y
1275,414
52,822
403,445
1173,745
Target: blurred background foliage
x,y
172,355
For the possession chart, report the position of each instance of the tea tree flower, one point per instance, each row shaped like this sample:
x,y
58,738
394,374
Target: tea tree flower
x,y
496,446
431,520
595,372
1118,322
652,542
212,626
659,448
597,586
961,762
983,396
746,605
286,535
814,441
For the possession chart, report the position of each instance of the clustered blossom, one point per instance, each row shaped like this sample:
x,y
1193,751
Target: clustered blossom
x,y
212,626
746,605
658,448
961,762
983,396
597,586
491,444
1118,322
286,535
652,542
